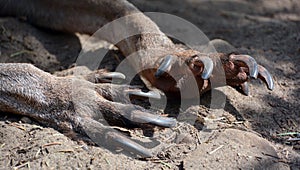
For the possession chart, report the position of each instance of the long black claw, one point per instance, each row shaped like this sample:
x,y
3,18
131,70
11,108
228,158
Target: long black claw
x,y
208,67
249,62
266,77
110,138
143,117
150,94
112,75
119,140
166,65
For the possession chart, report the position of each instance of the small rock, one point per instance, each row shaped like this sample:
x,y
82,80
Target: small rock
x,y
183,138
26,120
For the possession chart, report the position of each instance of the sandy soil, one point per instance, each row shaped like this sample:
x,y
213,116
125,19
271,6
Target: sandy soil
x,y
242,135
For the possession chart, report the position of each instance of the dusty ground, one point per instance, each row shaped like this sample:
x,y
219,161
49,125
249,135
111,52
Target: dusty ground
x,y
245,133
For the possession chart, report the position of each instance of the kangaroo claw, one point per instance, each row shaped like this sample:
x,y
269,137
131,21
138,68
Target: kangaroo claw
x,y
266,77
166,65
106,77
111,139
120,140
238,69
144,117
243,88
246,61
150,94
207,64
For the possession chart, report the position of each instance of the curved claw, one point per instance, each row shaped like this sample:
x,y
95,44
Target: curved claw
x,y
110,138
243,88
247,61
112,75
150,94
120,140
143,117
266,77
208,67
165,65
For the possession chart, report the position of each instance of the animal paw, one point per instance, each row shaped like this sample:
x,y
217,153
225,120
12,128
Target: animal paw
x,y
72,104
108,106
176,72
180,72
239,69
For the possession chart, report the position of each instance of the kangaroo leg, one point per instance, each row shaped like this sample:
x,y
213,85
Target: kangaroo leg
x,y
88,16
72,104
68,15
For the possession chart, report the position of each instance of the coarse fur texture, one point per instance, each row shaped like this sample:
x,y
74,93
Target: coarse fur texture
x,y
52,101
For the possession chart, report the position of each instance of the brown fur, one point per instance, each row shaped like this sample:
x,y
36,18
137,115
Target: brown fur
x,y
66,102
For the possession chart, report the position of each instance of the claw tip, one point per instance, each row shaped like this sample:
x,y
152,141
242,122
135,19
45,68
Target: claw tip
x,y
166,65
271,86
158,73
208,67
254,71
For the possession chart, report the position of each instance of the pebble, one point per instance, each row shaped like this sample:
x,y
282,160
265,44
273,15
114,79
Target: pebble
x,y
26,120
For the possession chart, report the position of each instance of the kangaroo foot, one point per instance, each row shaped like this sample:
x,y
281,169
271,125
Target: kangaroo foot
x,y
73,104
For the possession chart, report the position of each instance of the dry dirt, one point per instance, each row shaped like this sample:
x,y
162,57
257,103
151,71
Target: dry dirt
x,y
242,135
